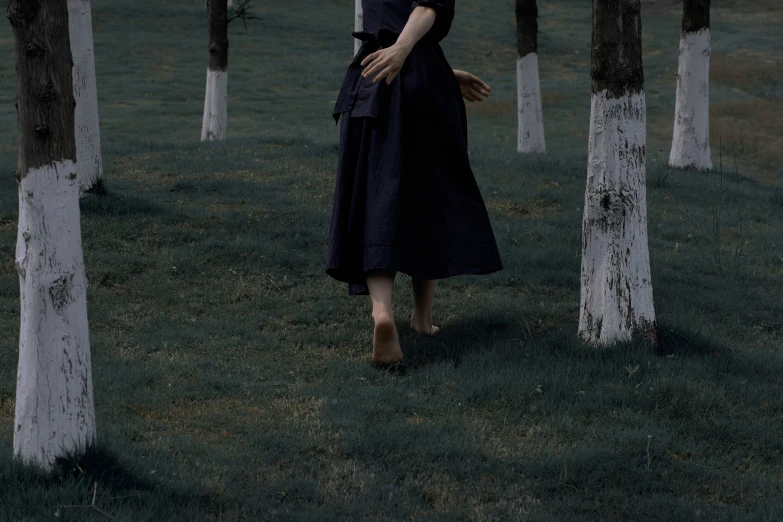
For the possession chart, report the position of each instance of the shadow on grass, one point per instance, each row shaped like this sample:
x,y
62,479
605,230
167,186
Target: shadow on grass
x,y
571,432
473,335
96,485
114,204
455,341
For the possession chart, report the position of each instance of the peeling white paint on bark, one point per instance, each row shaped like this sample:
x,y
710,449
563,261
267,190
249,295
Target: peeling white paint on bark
x,y
85,93
530,137
358,26
54,396
213,127
691,142
616,297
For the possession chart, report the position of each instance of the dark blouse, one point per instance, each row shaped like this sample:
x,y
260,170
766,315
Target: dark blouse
x,y
392,15
383,22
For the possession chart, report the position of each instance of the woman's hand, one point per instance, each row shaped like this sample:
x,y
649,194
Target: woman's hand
x,y
472,87
385,63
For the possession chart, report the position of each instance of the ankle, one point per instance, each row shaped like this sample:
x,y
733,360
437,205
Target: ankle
x,y
421,316
382,315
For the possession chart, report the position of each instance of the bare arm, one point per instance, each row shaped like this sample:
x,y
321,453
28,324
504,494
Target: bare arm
x,y
386,63
419,23
471,86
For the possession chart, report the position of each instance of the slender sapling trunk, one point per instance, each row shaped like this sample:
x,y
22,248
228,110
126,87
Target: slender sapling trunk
x,y
88,135
530,118
213,127
358,25
691,141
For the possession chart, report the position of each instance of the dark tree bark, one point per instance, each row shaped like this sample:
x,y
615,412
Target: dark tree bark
x,y
527,27
218,35
616,56
695,15
45,100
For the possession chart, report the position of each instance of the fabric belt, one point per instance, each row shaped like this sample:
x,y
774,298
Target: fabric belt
x,y
359,96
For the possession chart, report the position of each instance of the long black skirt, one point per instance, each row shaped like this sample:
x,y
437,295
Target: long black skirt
x,y
406,199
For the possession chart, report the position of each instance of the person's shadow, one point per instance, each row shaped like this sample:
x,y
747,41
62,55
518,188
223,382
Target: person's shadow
x,y
456,340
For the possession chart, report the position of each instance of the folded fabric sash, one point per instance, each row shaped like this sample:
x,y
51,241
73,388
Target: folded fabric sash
x,y
359,96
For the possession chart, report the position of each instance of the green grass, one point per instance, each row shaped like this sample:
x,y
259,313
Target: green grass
x,y
232,377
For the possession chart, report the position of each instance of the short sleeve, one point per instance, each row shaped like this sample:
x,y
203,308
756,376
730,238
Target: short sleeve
x,y
444,10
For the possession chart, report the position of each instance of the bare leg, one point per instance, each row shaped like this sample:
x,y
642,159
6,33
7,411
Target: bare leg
x,y
385,345
423,295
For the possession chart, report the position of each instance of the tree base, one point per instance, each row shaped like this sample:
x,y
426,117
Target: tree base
x,y
213,127
530,118
616,296
691,140
55,414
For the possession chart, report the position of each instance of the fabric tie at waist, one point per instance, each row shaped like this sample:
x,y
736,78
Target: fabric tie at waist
x,y
384,37
359,96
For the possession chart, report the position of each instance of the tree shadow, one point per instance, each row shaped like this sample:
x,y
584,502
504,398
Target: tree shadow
x,y
96,483
118,205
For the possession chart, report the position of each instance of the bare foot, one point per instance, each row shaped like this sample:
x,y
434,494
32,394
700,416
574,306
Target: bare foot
x,y
423,325
385,343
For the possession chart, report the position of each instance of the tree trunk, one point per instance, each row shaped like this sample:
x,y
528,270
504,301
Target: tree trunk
x,y
358,26
616,297
691,142
54,399
88,134
215,101
229,4
530,136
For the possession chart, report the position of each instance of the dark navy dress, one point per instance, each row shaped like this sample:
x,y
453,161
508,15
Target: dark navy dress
x,y
405,198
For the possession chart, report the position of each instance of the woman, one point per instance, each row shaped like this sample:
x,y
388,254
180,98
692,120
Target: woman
x,y
405,198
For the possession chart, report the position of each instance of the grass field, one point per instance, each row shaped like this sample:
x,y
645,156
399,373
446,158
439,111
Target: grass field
x,y
232,377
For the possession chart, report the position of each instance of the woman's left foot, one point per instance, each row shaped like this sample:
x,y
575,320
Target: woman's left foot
x,y
423,326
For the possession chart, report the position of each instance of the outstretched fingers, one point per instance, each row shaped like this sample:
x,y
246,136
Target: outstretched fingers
x,y
481,86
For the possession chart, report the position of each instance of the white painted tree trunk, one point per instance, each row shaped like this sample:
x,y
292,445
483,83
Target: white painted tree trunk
x,y
85,92
213,127
616,295
358,25
55,414
691,142
530,137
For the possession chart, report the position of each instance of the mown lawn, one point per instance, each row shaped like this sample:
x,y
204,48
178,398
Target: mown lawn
x,y
232,377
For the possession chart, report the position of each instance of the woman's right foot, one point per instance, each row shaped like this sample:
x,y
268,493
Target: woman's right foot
x,y
385,343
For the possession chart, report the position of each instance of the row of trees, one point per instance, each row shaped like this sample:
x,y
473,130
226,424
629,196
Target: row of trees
x,y
59,137
690,143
